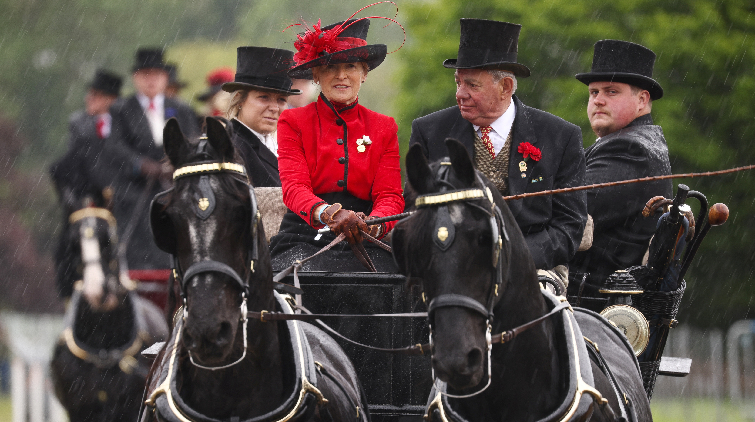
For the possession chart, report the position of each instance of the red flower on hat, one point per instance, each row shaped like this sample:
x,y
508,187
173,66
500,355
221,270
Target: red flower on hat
x,y
317,42
529,150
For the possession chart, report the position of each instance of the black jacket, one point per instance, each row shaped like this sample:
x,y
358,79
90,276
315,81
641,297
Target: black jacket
x,y
621,234
261,164
118,166
552,224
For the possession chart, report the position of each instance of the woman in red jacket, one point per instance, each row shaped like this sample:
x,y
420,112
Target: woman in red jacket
x,y
338,161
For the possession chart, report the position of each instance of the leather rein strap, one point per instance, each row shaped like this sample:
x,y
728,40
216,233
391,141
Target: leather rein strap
x,y
418,349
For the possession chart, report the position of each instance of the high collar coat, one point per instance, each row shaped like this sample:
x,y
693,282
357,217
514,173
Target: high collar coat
x,y
551,224
261,164
318,153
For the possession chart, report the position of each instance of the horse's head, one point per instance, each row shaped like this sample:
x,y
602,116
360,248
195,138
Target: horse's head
x,y
209,222
93,233
457,246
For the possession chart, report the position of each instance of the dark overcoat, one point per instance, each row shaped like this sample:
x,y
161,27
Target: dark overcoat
x,y
130,141
621,234
261,164
552,224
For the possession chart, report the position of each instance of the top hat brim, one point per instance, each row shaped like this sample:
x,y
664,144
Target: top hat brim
x,y
235,86
641,81
373,55
517,69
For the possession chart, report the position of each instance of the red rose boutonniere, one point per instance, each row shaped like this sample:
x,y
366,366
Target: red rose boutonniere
x,y
528,151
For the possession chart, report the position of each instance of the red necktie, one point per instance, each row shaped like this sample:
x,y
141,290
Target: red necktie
x,y
151,105
101,128
484,130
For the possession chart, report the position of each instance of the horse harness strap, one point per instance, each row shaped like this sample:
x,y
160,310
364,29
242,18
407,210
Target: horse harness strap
x,y
299,406
580,377
627,407
123,356
206,168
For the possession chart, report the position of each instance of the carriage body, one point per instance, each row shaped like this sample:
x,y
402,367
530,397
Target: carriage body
x,y
397,386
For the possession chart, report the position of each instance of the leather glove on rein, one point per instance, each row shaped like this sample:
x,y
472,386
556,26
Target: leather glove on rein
x,y
344,221
374,230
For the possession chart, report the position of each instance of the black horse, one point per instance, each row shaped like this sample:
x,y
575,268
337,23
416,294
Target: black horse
x,y
96,368
219,364
463,247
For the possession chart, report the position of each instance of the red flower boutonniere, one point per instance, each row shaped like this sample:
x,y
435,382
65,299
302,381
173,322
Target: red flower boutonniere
x,y
529,150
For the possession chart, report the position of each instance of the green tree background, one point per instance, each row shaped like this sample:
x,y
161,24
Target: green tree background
x,y
706,52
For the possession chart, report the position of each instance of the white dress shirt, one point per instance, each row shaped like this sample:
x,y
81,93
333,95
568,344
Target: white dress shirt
x,y
155,116
501,128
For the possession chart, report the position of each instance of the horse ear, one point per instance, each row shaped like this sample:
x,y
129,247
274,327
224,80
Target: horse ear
x,y
418,171
174,141
461,162
219,139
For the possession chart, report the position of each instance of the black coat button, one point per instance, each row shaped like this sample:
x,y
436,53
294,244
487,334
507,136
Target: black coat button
x,y
341,160
340,183
339,141
339,121
304,213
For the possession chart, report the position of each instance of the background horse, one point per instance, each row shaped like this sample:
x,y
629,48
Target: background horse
x,y
467,253
96,368
219,364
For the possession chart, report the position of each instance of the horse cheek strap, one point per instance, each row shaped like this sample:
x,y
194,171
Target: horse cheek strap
x,y
254,228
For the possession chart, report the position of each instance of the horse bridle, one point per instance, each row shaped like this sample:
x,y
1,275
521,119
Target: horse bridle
x,y
207,203
443,237
105,215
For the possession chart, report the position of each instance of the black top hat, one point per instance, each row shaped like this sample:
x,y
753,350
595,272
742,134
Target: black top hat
x,y
107,82
173,76
353,35
149,58
622,61
486,44
262,68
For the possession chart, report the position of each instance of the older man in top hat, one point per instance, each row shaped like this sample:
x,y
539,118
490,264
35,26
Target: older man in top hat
x,y
73,172
621,93
519,148
133,155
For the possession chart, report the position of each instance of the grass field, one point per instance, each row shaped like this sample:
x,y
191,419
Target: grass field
x,y
698,410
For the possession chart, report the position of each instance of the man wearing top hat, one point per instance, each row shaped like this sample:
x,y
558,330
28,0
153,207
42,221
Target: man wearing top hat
x,y
259,94
133,153
519,148
621,93
72,174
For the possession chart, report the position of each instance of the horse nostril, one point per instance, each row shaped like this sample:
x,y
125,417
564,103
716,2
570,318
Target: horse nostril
x,y
474,359
224,334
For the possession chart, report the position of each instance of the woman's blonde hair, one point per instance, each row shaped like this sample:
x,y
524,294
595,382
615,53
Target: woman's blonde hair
x,y
237,98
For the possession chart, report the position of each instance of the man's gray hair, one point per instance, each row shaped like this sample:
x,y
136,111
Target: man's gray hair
x,y
500,74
